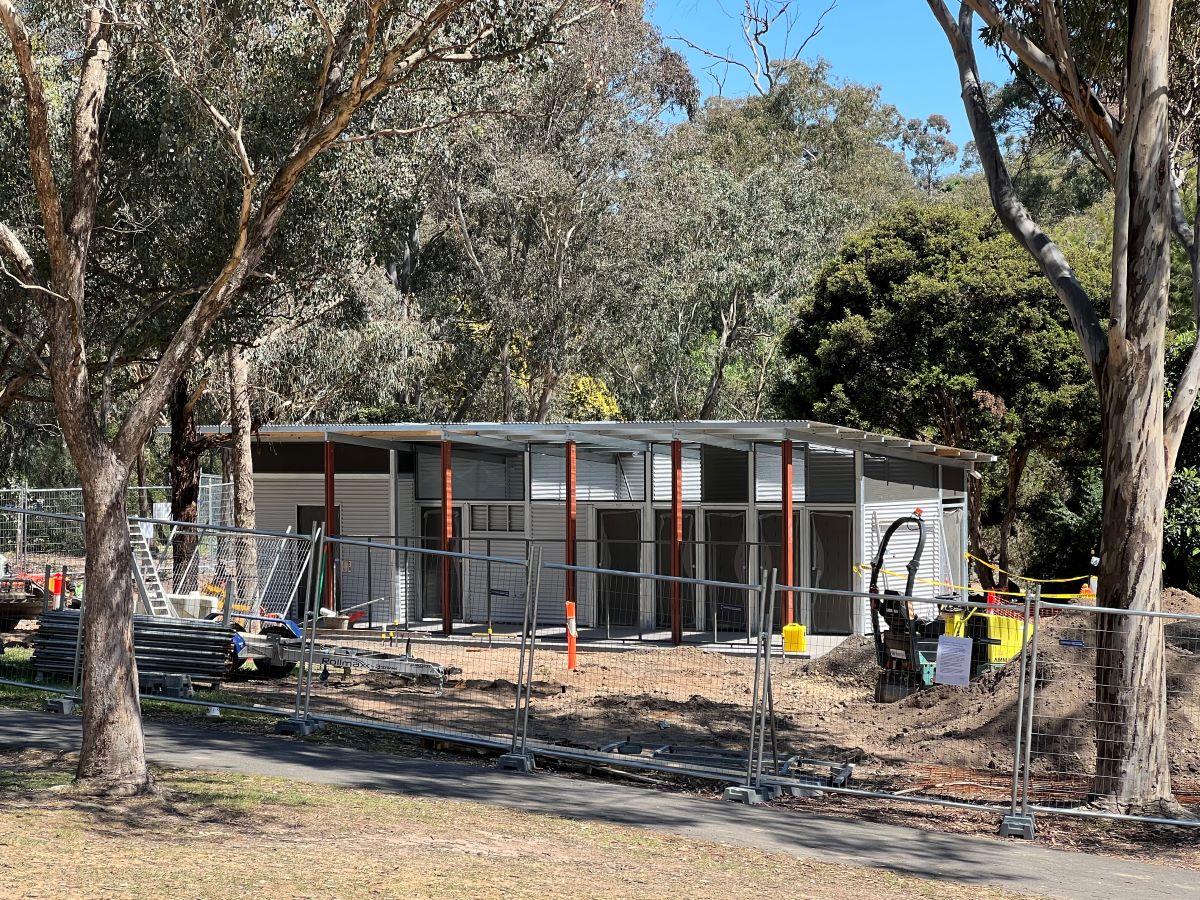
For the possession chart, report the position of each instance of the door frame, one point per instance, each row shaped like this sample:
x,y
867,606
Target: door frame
x,y
851,511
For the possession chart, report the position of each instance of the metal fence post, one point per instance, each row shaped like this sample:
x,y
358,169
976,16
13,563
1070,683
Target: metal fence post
x,y
517,759
1020,824
533,624
77,669
299,723
750,792
766,703
23,503
1032,701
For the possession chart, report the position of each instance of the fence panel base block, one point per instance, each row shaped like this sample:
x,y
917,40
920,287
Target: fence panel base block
x,y
301,727
517,762
1018,825
751,796
63,706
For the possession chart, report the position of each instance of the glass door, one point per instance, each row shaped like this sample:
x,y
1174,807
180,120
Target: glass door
x,y
662,566
831,566
620,548
727,558
770,537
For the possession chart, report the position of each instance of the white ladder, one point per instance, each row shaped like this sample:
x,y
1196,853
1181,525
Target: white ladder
x,y
145,573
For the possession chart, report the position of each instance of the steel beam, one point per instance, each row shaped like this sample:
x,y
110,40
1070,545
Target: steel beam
x,y
447,534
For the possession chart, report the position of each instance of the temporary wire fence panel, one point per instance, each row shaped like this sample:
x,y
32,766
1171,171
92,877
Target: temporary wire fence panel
x,y
1082,722
198,563
413,679
647,704
898,734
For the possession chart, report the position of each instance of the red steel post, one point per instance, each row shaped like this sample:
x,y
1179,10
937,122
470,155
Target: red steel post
x,y
788,573
572,519
676,540
447,533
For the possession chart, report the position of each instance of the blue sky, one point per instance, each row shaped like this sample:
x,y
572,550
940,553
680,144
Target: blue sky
x,y
892,43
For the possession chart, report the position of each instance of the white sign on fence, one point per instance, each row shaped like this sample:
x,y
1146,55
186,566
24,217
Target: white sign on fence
x,y
953,665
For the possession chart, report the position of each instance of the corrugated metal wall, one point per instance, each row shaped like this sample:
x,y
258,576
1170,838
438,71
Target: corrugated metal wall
x,y
768,474
365,510
904,542
690,472
598,476
829,475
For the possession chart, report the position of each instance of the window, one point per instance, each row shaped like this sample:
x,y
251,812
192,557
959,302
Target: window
x,y
497,517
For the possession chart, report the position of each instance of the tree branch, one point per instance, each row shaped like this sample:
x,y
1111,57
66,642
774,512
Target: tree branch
x,y
1009,208
37,112
259,228
12,247
1090,110
29,351
85,141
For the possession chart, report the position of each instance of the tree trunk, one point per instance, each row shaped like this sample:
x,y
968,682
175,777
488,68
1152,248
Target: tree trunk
x,y
112,758
185,485
1018,458
242,470
145,509
506,384
1132,770
729,320
975,530
549,381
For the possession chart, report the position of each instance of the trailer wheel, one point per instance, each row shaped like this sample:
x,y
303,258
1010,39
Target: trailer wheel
x,y
890,689
269,669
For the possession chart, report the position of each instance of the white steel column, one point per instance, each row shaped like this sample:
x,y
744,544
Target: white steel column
x,y
399,594
859,542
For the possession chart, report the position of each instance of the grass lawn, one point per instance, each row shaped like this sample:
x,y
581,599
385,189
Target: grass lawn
x,y
226,836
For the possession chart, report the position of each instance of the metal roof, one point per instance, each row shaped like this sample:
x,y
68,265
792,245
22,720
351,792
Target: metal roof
x,y
632,436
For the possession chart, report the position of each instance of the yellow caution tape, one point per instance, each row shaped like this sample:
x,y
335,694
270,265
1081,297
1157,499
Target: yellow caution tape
x,y
958,587
996,568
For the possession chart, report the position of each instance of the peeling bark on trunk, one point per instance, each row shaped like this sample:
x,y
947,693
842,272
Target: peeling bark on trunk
x,y
1132,772
1131,749
112,757
1132,769
241,468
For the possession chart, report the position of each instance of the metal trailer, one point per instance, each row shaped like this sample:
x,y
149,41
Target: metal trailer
x,y
280,645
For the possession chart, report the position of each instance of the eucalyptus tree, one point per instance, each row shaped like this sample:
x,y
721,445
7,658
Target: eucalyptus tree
x,y
526,214
1118,79
730,226
327,69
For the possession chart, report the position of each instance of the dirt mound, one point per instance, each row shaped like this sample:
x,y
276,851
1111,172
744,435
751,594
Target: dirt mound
x,y
1177,600
853,659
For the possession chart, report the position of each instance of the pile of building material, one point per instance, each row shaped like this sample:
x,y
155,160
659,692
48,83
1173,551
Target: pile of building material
x,y
202,650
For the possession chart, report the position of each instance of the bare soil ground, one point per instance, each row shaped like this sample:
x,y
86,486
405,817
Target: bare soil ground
x,y
241,837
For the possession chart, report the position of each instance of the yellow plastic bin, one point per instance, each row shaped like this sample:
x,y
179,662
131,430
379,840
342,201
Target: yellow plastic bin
x,y
795,638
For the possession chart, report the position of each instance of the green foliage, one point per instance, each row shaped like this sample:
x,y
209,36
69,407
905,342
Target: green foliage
x,y
1060,518
934,323
1181,529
